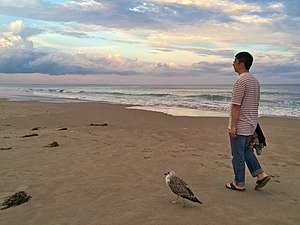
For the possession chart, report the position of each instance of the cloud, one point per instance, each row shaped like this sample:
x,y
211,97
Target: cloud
x,y
11,41
16,27
31,61
18,55
209,32
119,14
198,18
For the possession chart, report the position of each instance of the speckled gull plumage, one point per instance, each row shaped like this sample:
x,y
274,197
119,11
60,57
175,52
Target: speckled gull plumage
x,y
180,188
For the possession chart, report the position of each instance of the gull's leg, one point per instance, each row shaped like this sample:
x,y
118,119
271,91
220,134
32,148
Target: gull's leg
x,y
182,203
175,201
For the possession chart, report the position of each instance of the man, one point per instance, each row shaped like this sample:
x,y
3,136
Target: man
x,y
242,123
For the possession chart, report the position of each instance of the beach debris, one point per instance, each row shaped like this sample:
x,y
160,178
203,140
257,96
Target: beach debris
x,y
15,199
35,128
99,124
5,149
180,188
53,144
30,135
64,128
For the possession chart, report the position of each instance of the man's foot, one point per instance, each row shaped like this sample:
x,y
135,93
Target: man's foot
x,y
234,187
261,176
260,183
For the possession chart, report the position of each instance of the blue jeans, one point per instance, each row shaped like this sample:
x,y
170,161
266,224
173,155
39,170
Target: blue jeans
x,y
241,154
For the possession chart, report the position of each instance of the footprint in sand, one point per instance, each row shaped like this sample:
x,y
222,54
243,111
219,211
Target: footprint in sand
x,y
223,156
129,145
275,180
282,165
295,164
148,151
222,164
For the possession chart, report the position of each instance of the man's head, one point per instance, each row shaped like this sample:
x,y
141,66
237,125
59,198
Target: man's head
x,y
242,62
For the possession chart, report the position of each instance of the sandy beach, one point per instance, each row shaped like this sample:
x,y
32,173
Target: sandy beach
x,y
113,173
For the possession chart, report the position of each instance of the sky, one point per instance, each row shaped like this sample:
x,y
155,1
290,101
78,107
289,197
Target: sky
x,y
147,42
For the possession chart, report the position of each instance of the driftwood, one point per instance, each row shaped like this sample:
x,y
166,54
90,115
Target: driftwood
x,y
30,135
53,144
64,128
99,124
15,199
4,149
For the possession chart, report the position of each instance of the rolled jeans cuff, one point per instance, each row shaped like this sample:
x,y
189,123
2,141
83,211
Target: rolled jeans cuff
x,y
257,172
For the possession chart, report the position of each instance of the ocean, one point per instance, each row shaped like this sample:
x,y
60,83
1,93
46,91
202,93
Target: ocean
x,y
181,100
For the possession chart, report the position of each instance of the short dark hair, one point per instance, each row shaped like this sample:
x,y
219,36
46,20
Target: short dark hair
x,y
246,58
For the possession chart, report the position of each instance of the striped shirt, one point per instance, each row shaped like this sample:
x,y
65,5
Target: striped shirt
x,y
246,93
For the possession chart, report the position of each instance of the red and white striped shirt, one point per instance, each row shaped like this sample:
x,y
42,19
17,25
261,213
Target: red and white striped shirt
x,y
246,93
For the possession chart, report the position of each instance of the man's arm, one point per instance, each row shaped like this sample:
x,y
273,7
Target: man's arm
x,y
235,112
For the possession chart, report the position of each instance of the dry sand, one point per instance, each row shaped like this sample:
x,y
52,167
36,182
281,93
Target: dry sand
x,y
114,174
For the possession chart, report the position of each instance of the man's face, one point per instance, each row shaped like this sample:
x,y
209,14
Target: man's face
x,y
236,65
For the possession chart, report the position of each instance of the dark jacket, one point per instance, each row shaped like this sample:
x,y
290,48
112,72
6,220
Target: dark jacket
x,y
260,135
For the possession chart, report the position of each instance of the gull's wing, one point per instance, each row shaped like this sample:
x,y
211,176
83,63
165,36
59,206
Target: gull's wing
x,y
180,187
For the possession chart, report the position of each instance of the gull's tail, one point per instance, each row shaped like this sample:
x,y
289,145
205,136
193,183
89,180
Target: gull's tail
x,y
192,198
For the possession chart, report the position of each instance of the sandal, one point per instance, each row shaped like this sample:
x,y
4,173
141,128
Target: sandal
x,y
261,183
233,187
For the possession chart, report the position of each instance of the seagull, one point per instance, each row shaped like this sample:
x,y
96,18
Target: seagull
x,y
180,188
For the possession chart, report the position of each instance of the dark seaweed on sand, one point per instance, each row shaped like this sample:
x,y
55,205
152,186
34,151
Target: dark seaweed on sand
x,y
64,128
30,135
15,199
53,144
5,149
99,124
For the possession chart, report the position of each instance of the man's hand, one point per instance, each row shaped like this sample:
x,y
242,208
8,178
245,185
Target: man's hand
x,y
235,112
232,132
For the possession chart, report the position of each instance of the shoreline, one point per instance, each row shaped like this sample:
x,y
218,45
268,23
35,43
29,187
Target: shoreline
x,y
113,174
172,111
